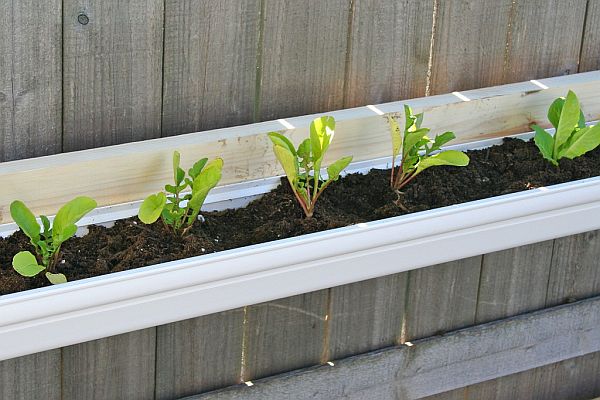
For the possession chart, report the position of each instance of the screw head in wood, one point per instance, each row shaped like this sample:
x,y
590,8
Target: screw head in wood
x,y
83,19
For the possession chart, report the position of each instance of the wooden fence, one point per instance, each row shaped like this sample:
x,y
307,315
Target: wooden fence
x,y
76,74
249,343
88,73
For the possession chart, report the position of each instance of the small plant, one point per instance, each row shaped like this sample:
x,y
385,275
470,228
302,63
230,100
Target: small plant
x,y
302,166
47,240
178,211
416,148
572,137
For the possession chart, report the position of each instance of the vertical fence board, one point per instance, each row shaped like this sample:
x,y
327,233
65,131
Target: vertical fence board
x,y
285,334
388,57
33,377
469,44
574,272
442,298
545,39
200,354
485,43
514,281
112,72
590,51
30,79
210,64
117,367
303,57
366,315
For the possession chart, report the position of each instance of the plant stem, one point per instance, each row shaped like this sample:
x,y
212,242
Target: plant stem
x,y
406,181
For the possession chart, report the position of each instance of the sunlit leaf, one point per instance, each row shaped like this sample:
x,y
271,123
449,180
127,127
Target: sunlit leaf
x,y
26,264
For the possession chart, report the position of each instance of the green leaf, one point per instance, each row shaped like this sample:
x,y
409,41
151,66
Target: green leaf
x,y
25,219
448,157
176,162
197,168
304,150
68,215
569,118
441,140
288,161
26,264
545,142
46,224
581,122
334,170
396,136
411,139
55,279
203,184
179,176
321,134
171,189
555,110
152,208
419,120
280,140
410,119
587,139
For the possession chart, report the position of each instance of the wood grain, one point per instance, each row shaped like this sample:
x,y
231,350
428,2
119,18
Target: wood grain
x,y
483,43
33,377
544,39
388,57
112,72
589,59
284,334
303,57
576,378
514,281
210,64
452,361
441,298
366,315
574,273
200,354
30,79
469,44
118,367
129,172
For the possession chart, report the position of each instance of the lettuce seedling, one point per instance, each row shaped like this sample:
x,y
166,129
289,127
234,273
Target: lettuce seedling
x,y
572,138
416,148
178,211
47,240
302,166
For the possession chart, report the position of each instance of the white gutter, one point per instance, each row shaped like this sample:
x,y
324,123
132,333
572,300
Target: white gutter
x,y
88,309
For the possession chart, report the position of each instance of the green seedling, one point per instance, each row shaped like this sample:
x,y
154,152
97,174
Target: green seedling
x,y
178,211
46,240
416,148
302,166
572,138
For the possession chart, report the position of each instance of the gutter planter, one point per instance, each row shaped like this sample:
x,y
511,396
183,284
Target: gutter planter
x,y
88,309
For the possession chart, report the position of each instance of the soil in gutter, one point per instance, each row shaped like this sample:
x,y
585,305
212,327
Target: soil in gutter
x,y
511,167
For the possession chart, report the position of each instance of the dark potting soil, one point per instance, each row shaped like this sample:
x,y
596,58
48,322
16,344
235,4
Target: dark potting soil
x,y
511,167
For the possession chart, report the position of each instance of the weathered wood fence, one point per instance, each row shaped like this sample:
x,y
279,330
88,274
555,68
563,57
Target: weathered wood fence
x,y
76,74
249,343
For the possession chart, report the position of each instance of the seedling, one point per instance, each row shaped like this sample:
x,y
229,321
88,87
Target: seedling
x,y
177,211
572,137
416,148
302,166
47,240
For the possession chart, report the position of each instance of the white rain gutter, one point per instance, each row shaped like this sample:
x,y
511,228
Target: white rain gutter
x,y
102,306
